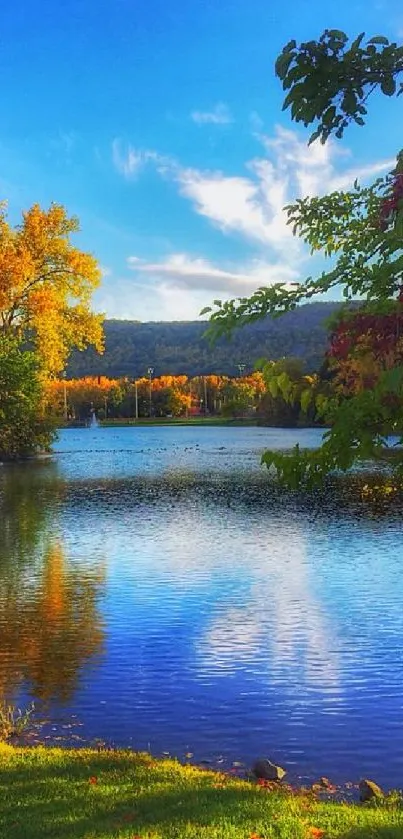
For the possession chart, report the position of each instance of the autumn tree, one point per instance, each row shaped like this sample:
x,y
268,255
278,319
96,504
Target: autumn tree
x,y
361,232
46,284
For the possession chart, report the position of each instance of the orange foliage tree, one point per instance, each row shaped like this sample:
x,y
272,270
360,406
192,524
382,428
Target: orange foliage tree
x,y
82,395
170,395
46,285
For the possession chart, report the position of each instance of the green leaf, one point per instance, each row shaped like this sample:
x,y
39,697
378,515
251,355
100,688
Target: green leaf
x,y
349,103
205,311
388,86
379,39
357,42
337,33
329,115
289,99
282,64
290,46
314,136
306,400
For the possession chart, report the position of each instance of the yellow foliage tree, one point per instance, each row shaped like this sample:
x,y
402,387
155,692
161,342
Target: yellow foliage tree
x,y
46,285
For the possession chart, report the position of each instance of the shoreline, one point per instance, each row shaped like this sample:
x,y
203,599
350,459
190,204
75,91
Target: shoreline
x,y
82,792
167,421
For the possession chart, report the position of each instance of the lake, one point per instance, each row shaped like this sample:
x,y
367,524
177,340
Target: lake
x,y
158,591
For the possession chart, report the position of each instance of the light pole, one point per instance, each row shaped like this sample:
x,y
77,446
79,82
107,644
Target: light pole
x,y
190,400
136,399
205,395
150,373
241,368
65,396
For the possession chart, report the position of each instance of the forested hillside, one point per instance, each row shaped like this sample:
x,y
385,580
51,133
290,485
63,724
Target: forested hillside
x,y
180,348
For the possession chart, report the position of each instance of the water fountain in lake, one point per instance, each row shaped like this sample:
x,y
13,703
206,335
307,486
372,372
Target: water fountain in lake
x,y
94,422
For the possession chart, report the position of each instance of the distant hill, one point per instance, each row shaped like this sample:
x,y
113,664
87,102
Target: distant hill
x,y
179,347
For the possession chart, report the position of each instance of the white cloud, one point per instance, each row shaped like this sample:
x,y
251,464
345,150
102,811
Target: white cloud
x,y
148,301
362,173
253,206
220,115
126,160
130,162
249,205
180,271
178,287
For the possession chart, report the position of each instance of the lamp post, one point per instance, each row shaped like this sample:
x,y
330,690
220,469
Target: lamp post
x,y
136,399
150,373
205,395
241,368
64,396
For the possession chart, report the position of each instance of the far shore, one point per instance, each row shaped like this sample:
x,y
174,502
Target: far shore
x,y
191,421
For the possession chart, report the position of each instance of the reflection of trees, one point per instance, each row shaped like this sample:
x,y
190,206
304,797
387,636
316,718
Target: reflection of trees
x,y
49,623
49,626
29,493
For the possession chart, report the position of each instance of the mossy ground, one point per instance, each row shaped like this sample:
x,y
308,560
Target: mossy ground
x,y
48,793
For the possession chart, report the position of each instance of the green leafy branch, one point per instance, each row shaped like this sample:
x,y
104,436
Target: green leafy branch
x,y
330,80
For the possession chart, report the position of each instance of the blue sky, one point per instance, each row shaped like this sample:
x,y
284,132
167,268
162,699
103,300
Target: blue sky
x,y
160,125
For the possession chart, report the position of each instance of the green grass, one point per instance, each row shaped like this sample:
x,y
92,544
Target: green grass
x,y
83,794
180,421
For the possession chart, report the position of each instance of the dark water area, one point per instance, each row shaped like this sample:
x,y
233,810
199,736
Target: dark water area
x,y
158,591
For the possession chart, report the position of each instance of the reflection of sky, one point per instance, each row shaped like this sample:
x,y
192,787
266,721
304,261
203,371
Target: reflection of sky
x,y
241,627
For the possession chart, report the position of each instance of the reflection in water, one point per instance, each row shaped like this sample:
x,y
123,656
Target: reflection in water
x,y
233,618
50,626
282,616
29,495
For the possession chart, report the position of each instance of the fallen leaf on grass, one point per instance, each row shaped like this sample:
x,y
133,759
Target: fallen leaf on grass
x,y
315,833
93,780
263,784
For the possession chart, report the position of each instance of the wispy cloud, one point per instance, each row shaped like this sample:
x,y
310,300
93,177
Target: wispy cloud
x,y
183,271
219,115
253,206
130,162
248,205
126,160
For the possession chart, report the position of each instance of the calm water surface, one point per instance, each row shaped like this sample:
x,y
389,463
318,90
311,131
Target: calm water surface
x,y
156,588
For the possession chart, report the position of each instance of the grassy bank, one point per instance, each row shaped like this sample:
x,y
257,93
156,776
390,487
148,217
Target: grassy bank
x,y
83,794
179,421
117,423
